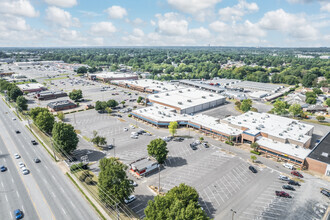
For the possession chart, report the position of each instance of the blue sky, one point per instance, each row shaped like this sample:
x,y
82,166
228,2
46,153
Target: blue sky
x,y
264,23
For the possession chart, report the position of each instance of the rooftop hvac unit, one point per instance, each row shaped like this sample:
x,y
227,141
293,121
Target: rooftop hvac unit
x,y
180,91
211,95
180,103
167,94
188,100
188,90
159,112
239,122
280,134
244,120
203,97
156,96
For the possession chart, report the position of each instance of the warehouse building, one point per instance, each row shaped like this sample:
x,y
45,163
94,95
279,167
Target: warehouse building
x,y
256,86
47,95
188,101
60,105
148,85
201,85
222,82
319,159
31,87
111,76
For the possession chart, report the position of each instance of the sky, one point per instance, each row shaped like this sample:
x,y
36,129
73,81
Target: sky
x,y
251,23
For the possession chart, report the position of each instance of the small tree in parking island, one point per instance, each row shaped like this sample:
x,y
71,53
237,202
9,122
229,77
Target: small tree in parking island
x,y
76,95
158,150
253,158
61,116
320,118
173,127
181,202
65,138
113,185
98,140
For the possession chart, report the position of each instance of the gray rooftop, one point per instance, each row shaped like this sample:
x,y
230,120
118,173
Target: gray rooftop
x,y
322,151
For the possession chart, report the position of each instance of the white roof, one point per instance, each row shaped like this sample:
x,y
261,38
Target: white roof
x,y
153,84
274,125
29,86
113,75
185,98
258,94
288,149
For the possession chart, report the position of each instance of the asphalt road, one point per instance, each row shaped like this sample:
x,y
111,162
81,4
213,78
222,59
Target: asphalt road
x,y
45,193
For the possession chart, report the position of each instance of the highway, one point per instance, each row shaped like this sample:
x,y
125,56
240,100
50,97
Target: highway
x,y
45,193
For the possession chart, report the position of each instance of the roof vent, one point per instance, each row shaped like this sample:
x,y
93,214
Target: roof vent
x,y
188,100
211,95
324,154
203,97
239,122
180,103
188,90
280,134
180,91
156,96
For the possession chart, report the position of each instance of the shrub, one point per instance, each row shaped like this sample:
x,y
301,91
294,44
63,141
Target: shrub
x,y
129,115
89,180
230,143
255,152
201,139
78,166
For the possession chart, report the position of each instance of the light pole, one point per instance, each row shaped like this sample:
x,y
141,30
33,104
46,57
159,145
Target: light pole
x,y
233,213
114,148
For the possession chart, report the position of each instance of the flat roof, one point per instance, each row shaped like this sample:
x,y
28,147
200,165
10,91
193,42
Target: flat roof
x,y
143,163
185,98
29,86
160,86
60,103
223,81
256,86
288,149
321,151
113,75
202,85
273,125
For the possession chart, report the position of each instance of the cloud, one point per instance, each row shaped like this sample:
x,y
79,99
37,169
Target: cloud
x,y
201,32
294,25
171,24
89,13
18,7
137,21
304,1
60,17
238,11
116,12
62,3
325,7
138,32
219,26
103,28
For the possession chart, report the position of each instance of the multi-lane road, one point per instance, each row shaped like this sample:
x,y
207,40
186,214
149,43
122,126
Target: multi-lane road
x,y
45,193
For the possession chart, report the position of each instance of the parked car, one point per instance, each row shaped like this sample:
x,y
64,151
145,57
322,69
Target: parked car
x,y
134,136
18,214
193,146
292,182
34,142
282,194
132,126
36,160
284,178
254,170
125,129
147,134
325,192
14,119
205,145
296,173
131,198
25,171
141,132
178,139
133,183
289,166
167,139
17,156
288,187
17,131
3,168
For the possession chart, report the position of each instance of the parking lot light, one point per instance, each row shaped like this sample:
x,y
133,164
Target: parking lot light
x,y
233,213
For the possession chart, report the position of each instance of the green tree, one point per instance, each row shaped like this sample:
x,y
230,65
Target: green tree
x,y
76,95
253,158
280,107
113,185
45,121
139,100
311,100
181,202
173,127
246,105
82,70
320,118
308,79
295,110
108,110
35,111
64,137
123,103
21,103
100,106
112,103
327,102
14,93
238,104
61,116
98,140
317,91
255,146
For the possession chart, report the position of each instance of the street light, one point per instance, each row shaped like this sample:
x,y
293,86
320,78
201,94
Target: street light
x,y
234,212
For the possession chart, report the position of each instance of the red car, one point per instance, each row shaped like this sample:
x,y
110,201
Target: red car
x,y
282,194
296,173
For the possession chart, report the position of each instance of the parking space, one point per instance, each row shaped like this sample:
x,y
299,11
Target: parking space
x,y
223,111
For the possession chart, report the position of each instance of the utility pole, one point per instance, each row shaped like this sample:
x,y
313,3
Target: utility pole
x,y
114,148
233,213
158,178
117,211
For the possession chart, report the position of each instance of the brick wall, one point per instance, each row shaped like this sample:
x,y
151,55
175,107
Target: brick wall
x,y
316,166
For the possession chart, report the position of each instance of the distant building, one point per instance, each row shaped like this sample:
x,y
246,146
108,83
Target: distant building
x,y
47,95
111,76
201,85
256,86
316,108
60,105
31,87
319,159
296,98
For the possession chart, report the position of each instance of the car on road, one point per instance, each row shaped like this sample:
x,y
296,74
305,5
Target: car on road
x,y
34,142
14,119
178,139
284,178
18,214
17,156
288,187
254,170
3,168
325,192
294,183
131,198
205,145
125,129
132,126
134,136
296,173
193,146
21,164
36,160
282,194
17,131
25,171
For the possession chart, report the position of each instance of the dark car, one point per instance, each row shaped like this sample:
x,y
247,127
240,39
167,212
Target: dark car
x,y
179,139
292,182
254,170
17,131
18,214
325,192
36,160
193,146
141,131
296,173
3,168
205,145
288,187
34,142
282,194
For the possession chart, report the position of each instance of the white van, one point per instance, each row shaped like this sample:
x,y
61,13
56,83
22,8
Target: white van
x,y
289,166
134,134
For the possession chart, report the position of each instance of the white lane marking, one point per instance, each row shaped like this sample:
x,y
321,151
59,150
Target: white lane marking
x,y
17,194
1,183
11,215
53,194
12,180
6,198
63,211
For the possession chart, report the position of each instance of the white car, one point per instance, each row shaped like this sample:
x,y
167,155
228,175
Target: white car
x,y
131,198
125,129
25,171
147,134
132,126
21,165
133,183
289,166
134,136
17,156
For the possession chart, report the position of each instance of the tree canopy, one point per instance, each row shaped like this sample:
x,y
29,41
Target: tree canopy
x,y
76,95
173,127
21,103
295,110
246,105
65,138
158,150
